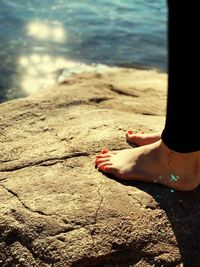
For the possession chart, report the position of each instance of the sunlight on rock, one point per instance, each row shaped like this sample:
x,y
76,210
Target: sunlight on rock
x,y
47,31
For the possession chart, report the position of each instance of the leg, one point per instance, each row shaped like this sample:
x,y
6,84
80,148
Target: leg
x,y
182,119
183,99
163,161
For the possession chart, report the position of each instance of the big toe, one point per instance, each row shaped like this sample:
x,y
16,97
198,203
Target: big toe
x,y
104,164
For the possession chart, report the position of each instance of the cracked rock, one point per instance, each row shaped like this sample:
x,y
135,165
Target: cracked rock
x,y
57,210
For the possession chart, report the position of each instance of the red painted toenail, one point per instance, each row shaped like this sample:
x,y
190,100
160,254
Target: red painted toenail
x,y
130,132
104,168
104,151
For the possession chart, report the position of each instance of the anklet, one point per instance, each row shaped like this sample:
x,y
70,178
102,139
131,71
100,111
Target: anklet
x,y
173,178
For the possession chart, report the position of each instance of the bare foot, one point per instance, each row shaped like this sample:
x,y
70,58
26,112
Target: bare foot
x,y
153,163
142,139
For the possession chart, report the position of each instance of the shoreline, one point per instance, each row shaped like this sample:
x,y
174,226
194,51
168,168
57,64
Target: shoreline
x,y
27,83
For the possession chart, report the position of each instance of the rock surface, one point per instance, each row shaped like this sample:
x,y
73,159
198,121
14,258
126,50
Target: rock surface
x,y
57,210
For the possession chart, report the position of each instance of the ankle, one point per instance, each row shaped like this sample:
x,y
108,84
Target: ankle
x,y
184,165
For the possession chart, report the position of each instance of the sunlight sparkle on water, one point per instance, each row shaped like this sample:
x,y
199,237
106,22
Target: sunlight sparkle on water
x,y
39,71
47,31
23,61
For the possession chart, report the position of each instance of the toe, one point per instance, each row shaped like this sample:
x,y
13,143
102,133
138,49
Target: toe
x,y
101,160
134,134
104,151
107,168
130,133
104,169
103,156
130,137
104,164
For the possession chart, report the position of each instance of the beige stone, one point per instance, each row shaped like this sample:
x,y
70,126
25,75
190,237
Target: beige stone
x,y
57,210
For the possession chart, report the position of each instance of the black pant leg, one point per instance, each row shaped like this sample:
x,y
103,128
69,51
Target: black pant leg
x,y
182,129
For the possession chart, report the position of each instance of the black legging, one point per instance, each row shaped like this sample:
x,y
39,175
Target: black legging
x,y
182,129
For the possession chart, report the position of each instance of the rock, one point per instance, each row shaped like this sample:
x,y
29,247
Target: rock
x,y
58,210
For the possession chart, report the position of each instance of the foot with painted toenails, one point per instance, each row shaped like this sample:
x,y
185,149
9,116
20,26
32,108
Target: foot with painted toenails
x,y
152,162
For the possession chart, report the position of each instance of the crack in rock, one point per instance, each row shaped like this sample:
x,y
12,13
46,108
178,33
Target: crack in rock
x,y
6,160
23,204
73,103
99,206
96,100
40,162
3,179
120,92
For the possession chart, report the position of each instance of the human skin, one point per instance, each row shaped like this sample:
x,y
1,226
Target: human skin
x,y
154,163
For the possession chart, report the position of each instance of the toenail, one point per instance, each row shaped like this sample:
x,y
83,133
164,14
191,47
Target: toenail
x,y
130,132
104,168
104,151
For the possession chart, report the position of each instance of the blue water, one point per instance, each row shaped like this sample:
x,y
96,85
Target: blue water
x,y
111,32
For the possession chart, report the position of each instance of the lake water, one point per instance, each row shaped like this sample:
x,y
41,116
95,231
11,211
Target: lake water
x,y
39,37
